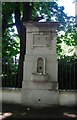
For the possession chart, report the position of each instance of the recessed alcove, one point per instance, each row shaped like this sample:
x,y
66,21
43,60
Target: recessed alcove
x,y
40,65
40,75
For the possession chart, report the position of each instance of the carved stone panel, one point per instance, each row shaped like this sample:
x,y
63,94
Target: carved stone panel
x,y
42,39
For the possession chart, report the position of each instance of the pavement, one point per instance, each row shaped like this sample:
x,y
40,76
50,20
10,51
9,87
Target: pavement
x,y
18,111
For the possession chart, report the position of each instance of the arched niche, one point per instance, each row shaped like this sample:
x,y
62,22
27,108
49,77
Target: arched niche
x,y
41,65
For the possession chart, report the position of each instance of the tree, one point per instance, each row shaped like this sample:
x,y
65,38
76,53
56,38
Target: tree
x,y
29,11
8,22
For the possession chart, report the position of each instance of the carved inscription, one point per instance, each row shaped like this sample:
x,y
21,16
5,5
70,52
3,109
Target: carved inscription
x,y
42,39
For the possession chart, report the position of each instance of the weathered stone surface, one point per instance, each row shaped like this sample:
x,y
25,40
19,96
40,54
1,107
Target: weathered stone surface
x,y
40,97
40,86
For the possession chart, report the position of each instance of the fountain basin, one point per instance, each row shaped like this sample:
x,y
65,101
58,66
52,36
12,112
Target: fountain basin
x,y
38,77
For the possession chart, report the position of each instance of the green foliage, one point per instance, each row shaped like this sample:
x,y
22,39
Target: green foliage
x,y
10,46
10,49
51,12
69,38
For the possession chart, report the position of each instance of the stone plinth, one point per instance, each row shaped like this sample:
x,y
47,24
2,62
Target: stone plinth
x,y
40,86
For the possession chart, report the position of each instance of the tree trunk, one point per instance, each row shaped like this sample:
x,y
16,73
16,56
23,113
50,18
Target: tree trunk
x,y
21,57
27,12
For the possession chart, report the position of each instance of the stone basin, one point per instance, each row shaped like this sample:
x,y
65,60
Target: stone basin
x,y
39,77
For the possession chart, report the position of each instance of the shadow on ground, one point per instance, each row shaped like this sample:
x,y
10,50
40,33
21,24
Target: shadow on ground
x,y
12,111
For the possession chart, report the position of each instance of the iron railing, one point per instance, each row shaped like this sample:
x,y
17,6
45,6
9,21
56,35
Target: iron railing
x,y
9,74
67,75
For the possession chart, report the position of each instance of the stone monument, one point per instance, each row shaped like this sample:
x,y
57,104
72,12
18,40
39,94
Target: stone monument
x,y
40,85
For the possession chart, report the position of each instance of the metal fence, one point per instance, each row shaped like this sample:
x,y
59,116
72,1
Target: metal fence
x,y
9,74
67,75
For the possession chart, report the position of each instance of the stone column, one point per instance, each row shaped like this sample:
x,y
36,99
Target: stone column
x,y
40,83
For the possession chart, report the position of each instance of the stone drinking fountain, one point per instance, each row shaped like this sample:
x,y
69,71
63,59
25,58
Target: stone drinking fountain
x,y
40,85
